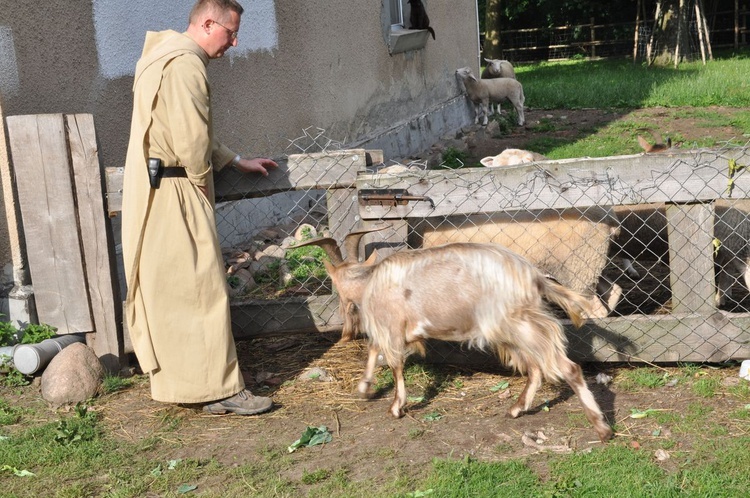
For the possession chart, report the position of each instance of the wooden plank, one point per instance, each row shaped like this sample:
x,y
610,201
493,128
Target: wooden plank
x,y
691,263
322,170
93,232
637,179
343,213
113,177
40,162
292,316
715,337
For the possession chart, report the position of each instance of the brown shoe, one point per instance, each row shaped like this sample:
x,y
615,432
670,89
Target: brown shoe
x,y
242,403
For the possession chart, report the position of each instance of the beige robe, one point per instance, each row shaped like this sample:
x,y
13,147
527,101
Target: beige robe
x,y
177,306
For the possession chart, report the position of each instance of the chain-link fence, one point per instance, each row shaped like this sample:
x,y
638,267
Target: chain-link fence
x,y
659,241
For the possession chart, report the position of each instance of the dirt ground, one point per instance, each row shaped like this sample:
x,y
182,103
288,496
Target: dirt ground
x,y
462,416
684,126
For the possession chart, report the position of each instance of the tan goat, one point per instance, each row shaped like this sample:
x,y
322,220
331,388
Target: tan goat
x,y
481,294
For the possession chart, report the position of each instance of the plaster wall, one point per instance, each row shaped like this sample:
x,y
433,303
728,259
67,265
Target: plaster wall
x,y
299,64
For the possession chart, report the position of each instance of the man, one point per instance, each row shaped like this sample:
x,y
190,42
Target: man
x,y
177,306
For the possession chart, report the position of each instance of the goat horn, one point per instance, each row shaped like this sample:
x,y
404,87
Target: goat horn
x,y
351,241
329,245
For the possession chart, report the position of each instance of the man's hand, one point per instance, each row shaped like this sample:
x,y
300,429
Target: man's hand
x,y
258,165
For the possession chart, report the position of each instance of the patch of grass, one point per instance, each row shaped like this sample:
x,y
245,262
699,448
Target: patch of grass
x,y
9,415
618,83
706,387
469,477
637,378
315,476
545,125
114,383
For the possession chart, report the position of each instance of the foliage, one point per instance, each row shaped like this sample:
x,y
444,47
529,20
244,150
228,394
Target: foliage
x,y
454,158
34,334
14,378
7,333
114,383
305,263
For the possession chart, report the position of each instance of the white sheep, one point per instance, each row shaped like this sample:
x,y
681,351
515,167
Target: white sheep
x,y
497,68
480,294
512,157
484,92
571,245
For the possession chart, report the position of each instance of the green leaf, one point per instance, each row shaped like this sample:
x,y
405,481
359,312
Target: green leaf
x,y
500,386
432,417
415,399
311,437
172,464
19,473
186,488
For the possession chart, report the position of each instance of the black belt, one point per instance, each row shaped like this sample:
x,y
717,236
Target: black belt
x,y
174,172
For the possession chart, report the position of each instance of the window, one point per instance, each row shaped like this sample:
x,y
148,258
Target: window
x,y
397,13
400,38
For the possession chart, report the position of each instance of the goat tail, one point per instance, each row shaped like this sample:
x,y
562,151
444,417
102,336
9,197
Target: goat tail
x,y
575,304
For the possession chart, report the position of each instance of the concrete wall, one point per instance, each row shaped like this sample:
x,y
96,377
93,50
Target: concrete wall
x,y
299,64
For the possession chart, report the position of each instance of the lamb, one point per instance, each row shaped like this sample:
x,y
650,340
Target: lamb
x,y
411,296
497,68
484,92
512,157
571,245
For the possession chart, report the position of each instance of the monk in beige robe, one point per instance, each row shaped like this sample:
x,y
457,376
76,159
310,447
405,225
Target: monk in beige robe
x,y
177,305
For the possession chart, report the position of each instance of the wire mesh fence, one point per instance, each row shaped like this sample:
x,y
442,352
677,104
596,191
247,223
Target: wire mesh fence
x,y
660,243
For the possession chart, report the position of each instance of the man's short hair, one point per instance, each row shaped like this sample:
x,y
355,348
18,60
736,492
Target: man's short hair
x,y
218,6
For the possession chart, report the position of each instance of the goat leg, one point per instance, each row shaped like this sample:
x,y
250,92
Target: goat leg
x,y
529,391
574,378
399,397
366,382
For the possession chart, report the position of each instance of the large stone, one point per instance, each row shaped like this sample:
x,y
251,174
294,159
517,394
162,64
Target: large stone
x,y
74,375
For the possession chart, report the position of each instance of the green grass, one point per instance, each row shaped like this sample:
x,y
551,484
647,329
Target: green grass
x,y
618,83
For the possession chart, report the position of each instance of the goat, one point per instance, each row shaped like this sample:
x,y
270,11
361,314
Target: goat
x,y
571,245
481,294
485,92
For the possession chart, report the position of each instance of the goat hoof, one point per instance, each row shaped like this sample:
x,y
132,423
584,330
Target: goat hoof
x,y
605,434
514,413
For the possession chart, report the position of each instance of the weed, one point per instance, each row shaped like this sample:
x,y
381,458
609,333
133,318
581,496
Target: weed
x,y
415,433
9,415
706,387
315,476
306,263
36,333
650,378
14,378
454,158
545,125
114,383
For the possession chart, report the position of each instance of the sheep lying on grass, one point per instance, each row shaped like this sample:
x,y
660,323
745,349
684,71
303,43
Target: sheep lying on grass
x,y
484,92
480,294
512,157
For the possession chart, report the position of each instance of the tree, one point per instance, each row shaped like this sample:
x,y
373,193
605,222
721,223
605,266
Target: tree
x,y
492,48
670,38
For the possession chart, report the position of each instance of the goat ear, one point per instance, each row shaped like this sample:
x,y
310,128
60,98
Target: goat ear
x,y
330,267
372,259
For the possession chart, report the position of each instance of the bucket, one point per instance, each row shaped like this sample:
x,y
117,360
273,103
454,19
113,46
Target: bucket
x,y
29,358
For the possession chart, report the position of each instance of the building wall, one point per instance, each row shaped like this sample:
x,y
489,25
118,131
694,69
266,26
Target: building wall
x,y
299,64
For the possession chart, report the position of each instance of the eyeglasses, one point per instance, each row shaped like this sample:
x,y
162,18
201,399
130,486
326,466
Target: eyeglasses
x,y
233,34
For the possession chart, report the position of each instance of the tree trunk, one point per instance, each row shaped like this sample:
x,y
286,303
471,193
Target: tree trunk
x,y
492,48
670,41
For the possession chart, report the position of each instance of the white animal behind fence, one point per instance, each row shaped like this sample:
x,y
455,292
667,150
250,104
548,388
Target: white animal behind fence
x,y
486,91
